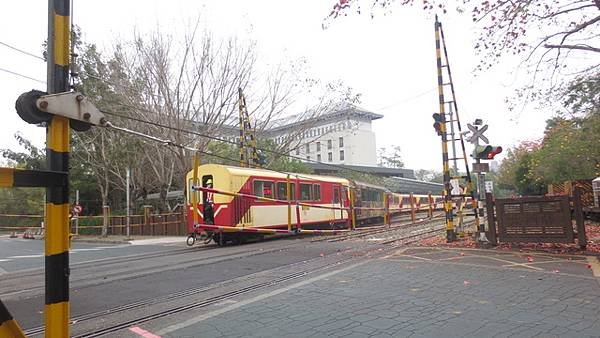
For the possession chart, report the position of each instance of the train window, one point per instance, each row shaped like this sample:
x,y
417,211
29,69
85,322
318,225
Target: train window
x,y
305,192
282,191
193,192
263,189
336,195
316,192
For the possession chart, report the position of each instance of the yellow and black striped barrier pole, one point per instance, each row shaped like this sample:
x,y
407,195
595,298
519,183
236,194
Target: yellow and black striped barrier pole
x,y
8,326
194,194
450,234
288,188
14,177
243,153
56,310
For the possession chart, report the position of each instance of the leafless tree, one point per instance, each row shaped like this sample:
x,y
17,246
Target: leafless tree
x,y
167,86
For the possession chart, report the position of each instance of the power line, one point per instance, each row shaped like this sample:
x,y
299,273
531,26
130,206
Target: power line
x,y
219,139
173,144
165,126
21,51
21,75
410,98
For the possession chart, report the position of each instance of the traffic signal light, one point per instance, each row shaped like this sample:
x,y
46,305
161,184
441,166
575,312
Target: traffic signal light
x,y
486,152
438,125
262,158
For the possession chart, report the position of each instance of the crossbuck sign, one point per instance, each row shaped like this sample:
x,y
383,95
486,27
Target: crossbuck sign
x,y
477,134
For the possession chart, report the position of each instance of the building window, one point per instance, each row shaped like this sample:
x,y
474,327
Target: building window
x,y
329,144
341,155
319,157
308,148
330,157
341,142
297,151
318,146
308,158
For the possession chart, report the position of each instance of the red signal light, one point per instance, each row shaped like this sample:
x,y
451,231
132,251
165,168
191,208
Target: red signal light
x,y
493,152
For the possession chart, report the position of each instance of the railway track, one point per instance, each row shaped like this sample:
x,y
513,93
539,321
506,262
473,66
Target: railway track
x,y
31,282
400,233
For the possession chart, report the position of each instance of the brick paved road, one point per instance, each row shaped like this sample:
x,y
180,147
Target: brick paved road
x,y
422,293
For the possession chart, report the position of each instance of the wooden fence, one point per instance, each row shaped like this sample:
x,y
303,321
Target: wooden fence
x,y
536,219
147,224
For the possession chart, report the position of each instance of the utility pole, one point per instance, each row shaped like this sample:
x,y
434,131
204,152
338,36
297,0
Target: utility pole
x,y
128,201
56,309
481,153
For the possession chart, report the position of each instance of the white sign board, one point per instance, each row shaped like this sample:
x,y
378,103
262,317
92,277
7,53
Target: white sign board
x,y
455,187
489,186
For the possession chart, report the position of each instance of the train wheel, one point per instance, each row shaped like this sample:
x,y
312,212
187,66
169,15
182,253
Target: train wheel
x,y
219,238
191,240
209,237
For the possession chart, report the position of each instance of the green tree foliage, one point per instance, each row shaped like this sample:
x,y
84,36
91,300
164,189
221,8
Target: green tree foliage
x,y
570,150
33,158
23,201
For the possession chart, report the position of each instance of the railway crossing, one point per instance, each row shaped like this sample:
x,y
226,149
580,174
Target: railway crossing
x,y
287,202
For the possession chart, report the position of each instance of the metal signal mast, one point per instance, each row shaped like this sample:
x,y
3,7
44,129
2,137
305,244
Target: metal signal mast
x,y
447,125
247,136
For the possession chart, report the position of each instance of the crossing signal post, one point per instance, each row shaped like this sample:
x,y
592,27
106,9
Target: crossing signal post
x,y
60,110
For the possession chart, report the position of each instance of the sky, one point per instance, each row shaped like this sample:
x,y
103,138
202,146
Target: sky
x,y
389,59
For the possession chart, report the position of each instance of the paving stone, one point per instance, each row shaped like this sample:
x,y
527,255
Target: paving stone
x,y
388,299
381,323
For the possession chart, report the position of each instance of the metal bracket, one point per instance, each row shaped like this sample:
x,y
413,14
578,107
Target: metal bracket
x,y
72,105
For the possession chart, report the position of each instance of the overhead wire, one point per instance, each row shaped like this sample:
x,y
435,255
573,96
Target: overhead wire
x,y
21,75
208,153
215,138
168,142
21,51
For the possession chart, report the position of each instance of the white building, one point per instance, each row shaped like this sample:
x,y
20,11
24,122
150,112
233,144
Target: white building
x,y
343,136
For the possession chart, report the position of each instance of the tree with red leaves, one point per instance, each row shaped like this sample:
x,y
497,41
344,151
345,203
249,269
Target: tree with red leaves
x,y
552,35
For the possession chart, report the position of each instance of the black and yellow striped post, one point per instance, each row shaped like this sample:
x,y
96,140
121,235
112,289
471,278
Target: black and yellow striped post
x,y
450,234
56,310
8,326
243,153
14,177
194,194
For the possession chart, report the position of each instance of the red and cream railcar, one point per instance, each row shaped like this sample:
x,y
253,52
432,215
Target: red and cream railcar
x,y
311,191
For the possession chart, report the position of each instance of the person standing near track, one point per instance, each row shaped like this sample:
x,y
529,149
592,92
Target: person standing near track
x,y
208,203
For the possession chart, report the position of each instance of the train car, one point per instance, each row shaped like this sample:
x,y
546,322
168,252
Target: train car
x,y
241,212
369,202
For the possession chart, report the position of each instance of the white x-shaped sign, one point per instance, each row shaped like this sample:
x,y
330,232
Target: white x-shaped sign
x,y
477,133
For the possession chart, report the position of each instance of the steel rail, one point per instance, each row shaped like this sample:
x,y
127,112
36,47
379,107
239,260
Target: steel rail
x,y
186,293
227,295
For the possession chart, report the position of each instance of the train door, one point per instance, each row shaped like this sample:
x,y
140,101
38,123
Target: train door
x,y
208,200
337,202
